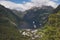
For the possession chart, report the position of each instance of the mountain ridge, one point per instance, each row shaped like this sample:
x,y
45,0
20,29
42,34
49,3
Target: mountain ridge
x,y
35,16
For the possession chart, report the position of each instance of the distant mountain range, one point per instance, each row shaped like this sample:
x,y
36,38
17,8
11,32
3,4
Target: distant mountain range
x,y
33,18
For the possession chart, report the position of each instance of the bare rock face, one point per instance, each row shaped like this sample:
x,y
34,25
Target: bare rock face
x,y
38,15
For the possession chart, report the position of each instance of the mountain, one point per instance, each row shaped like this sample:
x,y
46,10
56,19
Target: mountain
x,y
55,17
10,15
8,30
19,13
36,17
57,9
51,29
10,23
33,18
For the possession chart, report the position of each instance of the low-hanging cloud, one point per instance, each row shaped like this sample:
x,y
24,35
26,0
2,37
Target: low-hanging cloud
x,y
45,2
28,5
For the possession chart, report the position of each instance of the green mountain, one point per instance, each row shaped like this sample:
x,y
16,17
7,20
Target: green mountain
x,y
50,31
14,18
52,28
9,22
8,29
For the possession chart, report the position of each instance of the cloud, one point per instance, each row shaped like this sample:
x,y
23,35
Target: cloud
x,y
12,5
45,2
28,5
53,4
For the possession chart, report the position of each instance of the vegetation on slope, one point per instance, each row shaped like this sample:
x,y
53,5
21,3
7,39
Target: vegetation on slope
x,y
52,28
8,31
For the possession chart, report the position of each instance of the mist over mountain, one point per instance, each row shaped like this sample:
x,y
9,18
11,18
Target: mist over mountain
x,y
33,18
45,19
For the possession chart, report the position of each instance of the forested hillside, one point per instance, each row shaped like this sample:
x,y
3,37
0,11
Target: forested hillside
x,y
52,27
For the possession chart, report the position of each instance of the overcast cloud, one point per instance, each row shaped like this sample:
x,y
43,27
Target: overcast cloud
x,y
28,5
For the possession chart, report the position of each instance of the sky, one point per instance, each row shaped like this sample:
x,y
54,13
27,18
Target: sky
x,y
27,4
20,1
